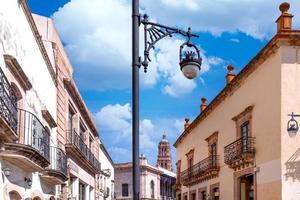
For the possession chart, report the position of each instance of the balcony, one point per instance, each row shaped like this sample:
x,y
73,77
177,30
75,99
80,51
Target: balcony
x,y
204,170
31,151
77,148
57,172
8,111
240,153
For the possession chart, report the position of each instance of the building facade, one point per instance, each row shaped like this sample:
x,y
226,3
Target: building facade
x,y
49,143
29,152
76,130
106,178
155,182
238,147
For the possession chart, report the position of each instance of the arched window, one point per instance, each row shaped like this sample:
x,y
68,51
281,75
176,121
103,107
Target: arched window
x,y
13,195
152,189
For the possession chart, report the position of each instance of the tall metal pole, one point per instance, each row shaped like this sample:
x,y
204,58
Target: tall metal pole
x,y
135,99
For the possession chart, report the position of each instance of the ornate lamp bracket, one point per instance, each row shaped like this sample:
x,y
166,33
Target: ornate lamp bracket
x,y
154,32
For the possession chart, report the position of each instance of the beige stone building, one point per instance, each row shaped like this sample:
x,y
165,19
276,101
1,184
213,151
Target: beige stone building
x,y
76,131
238,147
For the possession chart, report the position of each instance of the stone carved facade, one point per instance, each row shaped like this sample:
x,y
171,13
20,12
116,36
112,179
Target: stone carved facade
x,y
164,157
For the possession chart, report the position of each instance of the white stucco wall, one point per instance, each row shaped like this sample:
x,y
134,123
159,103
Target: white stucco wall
x,y
109,180
290,96
17,40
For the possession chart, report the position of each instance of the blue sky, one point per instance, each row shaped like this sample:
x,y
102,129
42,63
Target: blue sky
x,y
96,34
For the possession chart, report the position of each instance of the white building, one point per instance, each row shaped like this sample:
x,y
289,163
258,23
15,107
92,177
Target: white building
x,y
107,182
29,153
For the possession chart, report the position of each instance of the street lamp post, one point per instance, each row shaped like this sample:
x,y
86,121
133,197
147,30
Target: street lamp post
x,y
189,61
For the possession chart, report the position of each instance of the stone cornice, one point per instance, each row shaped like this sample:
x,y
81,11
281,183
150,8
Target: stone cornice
x,y
72,89
48,117
17,72
292,37
39,41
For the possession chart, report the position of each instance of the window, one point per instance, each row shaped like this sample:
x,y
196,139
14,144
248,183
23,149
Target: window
x,y
179,197
245,132
203,195
81,131
70,119
216,194
178,171
91,143
125,190
213,151
152,189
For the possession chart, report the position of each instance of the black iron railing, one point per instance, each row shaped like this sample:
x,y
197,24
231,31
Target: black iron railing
x,y
238,148
76,140
35,134
8,103
201,168
58,160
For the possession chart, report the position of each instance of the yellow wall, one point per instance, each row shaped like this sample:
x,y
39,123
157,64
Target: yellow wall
x,y
262,90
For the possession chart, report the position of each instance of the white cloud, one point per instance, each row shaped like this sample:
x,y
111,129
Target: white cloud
x,y
188,4
115,119
120,154
253,17
115,124
235,40
99,45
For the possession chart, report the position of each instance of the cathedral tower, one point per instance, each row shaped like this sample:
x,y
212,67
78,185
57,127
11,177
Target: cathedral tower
x,y
164,158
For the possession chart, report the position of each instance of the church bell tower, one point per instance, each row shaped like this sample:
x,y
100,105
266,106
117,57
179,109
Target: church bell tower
x,y
164,157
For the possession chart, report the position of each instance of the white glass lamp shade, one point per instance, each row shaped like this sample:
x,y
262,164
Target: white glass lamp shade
x,y
190,69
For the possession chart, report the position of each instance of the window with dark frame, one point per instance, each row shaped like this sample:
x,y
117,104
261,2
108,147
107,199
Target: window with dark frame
x,y
125,190
245,133
152,189
70,119
213,151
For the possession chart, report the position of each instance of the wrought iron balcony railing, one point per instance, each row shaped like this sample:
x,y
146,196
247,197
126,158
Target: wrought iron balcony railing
x,y
34,133
8,103
200,170
237,150
78,142
58,160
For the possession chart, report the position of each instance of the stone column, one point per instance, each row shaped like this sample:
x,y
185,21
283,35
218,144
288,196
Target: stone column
x,y
92,193
87,192
75,188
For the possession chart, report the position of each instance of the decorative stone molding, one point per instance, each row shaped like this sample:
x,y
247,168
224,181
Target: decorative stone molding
x,y
213,138
17,71
237,175
39,41
48,117
243,117
211,189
